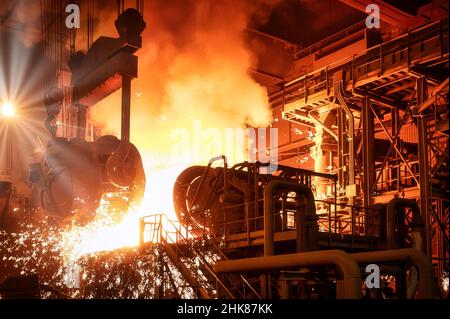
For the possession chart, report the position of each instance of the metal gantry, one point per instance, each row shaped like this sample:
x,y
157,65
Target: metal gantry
x,y
390,109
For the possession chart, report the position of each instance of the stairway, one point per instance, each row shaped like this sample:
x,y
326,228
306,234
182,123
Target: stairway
x,y
194,259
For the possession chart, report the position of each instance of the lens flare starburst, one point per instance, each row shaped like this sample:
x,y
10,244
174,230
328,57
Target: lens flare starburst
x,y
7,109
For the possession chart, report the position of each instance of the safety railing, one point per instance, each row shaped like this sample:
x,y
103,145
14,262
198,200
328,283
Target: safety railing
x,y
332,218
244,284
352,220
361,220
429,40
160,229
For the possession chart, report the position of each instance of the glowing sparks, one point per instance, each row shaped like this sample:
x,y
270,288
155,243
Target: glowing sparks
x,y
119,273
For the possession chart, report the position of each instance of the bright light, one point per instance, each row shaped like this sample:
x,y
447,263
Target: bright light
x,y
7,109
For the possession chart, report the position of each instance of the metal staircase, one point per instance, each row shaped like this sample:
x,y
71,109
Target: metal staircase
x,y
194,257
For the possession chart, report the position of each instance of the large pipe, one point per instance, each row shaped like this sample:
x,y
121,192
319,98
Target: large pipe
x,y
417,225
348,286
306,222
339,92
417,258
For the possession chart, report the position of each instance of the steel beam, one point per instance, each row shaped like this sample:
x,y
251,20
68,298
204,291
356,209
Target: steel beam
x,y
395,146
368,146
425,187
425,103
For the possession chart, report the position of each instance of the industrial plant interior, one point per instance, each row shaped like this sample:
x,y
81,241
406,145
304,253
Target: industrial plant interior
x,y
220,149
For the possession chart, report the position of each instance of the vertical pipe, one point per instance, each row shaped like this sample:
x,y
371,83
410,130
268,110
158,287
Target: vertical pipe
x,y
340,150
339,91
410,255
423,164
393,226
368,163
335,207
141,232
307,235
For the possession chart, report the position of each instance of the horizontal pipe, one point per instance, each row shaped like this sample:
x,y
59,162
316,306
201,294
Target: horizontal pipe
x,y
412,255
348,269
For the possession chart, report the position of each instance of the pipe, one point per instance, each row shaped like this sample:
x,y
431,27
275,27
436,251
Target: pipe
x,y
349,287
306,222
417,258
339,92
392,224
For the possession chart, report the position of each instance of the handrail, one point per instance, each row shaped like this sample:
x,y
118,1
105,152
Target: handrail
x,y
362,52
341,35
194,222
180,235
360,209
165,235
185,271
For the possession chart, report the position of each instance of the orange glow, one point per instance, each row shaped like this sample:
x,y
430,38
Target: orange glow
x,y
186,79
104,234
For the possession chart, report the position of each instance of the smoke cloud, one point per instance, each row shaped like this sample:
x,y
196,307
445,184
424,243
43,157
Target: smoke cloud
x,y
193,68
22,17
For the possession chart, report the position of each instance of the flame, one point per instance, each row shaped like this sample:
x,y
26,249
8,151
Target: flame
x,y
104,233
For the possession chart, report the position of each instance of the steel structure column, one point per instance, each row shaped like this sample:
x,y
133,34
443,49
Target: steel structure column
x,y
424,181
341,181
396,137
368,139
